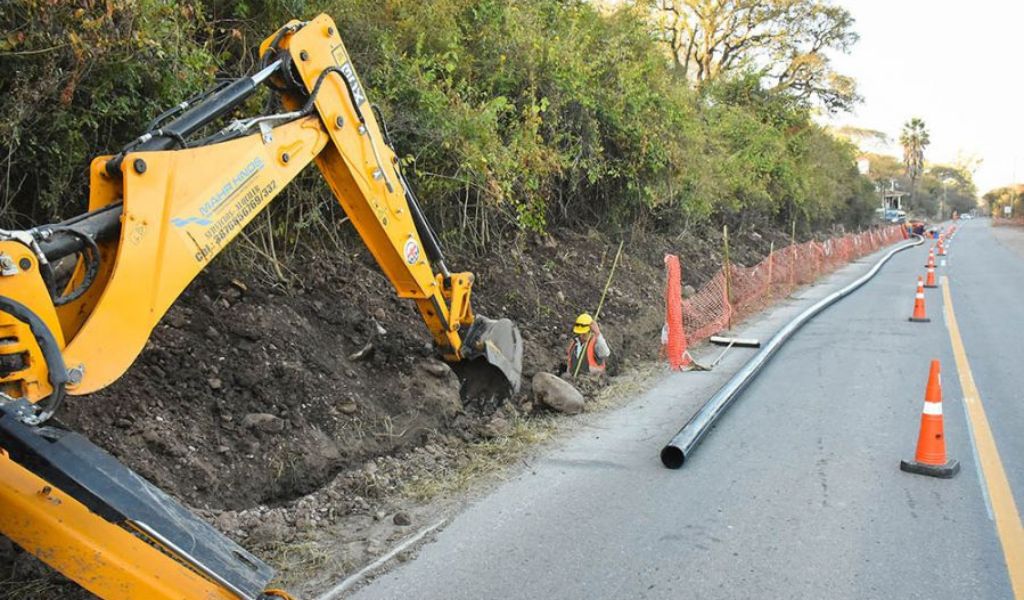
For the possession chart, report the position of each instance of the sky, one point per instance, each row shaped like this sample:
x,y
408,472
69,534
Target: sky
x,y
957,65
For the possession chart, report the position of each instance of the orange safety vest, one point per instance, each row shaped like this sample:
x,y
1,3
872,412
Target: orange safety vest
x,y
594,363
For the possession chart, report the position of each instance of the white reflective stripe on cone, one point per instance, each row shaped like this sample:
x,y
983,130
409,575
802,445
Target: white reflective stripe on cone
x,y
933,408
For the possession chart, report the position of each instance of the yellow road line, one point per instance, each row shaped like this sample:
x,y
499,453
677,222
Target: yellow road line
x,y
1004,509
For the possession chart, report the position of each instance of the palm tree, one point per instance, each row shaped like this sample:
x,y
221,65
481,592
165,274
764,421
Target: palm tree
x,y
914,138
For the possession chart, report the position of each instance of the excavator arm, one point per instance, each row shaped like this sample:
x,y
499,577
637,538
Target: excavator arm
x,y
79,299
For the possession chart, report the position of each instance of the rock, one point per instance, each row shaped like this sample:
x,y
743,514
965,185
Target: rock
x,y
151,436
560,296
379,314
238,284
350,407
688,291
556,393
437,388
498,426
123,423
363,353
379,515
223,449
212,333
319,451
175,319
435,367
263,422
248,377
401,519
215,383
272,528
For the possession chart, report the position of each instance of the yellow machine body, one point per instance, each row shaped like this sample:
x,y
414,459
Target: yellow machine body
x,y
178,209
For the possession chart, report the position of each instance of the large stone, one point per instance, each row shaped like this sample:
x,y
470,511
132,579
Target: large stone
x,y
263,422
555,392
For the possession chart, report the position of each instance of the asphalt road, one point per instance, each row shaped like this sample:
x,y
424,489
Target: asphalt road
x,y
797,493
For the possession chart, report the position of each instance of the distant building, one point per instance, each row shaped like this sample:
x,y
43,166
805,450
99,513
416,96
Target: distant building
x,y
893,199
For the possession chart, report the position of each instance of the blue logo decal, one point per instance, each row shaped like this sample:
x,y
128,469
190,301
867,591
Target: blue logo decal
x,y
179,222
215,203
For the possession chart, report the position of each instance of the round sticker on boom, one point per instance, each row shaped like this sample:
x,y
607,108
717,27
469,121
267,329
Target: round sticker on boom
x,y
412,252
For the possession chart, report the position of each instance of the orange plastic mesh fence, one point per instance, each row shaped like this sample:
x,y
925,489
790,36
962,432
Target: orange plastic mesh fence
x,y
708,311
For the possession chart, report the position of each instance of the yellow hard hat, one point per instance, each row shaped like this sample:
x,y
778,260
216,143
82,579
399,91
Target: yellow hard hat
x,y
582,323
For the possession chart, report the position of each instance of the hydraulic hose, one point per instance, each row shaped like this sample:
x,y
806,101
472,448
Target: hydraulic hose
x,y
56,371
679,448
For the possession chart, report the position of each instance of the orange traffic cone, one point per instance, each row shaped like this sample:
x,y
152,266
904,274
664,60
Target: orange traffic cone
x,y
919,315
931,257
942,249
930,458
929,282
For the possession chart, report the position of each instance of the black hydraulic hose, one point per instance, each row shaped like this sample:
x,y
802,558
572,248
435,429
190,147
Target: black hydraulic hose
x,y
679,448
90,253
423,227
56,371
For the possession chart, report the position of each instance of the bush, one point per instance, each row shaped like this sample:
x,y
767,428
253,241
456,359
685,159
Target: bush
x,y
510,116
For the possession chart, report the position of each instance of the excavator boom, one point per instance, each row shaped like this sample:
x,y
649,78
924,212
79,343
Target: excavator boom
x,y
79,299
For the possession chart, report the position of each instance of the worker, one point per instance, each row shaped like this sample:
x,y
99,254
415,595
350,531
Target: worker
x,y
587,345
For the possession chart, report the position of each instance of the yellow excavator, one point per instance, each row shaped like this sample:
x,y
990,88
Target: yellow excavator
x,y
79,299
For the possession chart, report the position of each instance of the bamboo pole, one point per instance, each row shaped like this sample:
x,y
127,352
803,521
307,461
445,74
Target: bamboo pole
x,y
600,305
728,276
793,261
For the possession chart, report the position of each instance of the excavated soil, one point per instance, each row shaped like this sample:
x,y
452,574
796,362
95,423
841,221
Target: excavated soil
x,y
277,409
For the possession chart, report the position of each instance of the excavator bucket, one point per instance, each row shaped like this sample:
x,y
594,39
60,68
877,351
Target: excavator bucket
x,y
497,343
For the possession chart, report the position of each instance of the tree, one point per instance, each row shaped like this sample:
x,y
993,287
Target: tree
x,y
914,138
999,198
784,41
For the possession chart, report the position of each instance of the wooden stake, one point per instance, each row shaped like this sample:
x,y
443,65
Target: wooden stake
x,y
728,276
600,305
792,262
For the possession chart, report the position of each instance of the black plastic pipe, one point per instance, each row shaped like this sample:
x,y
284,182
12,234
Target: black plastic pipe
x,y
679,448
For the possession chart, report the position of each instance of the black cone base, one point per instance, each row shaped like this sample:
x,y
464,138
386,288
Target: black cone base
x,y
946,471
924,320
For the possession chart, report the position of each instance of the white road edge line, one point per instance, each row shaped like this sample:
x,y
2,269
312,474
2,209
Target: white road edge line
x,y
335,592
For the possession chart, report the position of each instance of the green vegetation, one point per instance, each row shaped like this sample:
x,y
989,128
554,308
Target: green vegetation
x,y
914,138
939,189
511,116
998,199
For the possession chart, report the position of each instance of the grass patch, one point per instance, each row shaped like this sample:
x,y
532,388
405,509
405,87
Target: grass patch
x,y
482,458
485,457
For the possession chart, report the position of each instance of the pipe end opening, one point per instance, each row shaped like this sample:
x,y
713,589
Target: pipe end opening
x,y
672,457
